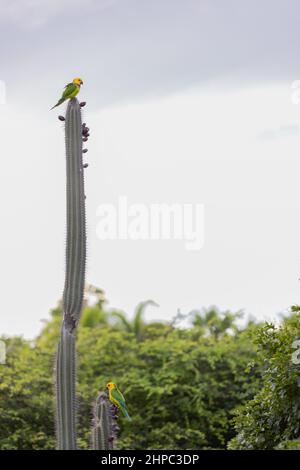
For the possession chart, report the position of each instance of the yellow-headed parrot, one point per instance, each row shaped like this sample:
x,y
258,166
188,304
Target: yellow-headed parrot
x,y
71,90
117,398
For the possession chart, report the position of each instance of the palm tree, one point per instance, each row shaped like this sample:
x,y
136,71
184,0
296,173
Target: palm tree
x,y
215,323
137,325
93,312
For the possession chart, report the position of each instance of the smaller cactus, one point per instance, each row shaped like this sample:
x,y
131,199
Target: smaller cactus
x,y
105,427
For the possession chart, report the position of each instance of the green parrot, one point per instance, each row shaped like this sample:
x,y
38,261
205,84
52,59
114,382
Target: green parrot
x,y
117,398
71,90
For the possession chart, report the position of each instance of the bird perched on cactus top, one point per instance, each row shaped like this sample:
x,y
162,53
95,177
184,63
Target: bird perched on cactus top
x,y
117,398
71,90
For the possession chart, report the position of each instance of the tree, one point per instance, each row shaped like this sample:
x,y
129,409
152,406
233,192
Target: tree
x,y
213,322
26,399
137,325
181,389
272,418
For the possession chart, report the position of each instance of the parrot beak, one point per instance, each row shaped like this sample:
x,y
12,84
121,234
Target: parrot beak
x,y
81,82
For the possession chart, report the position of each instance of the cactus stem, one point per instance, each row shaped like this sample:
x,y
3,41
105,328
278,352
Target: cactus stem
x,y
74,281
65,392
104,424
76,231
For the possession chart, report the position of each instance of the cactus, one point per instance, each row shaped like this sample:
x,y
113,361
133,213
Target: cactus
x,y
74,281
105,427
105,413
65,391
76,231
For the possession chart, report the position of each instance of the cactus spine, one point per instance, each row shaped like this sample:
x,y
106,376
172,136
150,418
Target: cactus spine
x,y
74,281
65,391
76,231
105,426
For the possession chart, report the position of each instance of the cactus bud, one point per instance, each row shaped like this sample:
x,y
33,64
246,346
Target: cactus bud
x,y
61,118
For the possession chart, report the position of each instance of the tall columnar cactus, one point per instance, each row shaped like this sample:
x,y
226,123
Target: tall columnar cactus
x,y
105,414
76,230
74,281
105,427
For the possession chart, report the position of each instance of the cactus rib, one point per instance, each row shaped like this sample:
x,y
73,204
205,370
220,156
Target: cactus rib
x,y
104,424
76,230
65,391
74,281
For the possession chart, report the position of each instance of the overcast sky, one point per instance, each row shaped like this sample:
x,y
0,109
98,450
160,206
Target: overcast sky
x,y
188,101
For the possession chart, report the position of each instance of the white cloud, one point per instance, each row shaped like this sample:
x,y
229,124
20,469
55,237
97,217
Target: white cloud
x,y
291,130
35,13
197,146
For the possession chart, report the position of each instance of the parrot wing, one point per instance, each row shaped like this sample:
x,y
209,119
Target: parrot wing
x,y
117,395
69,89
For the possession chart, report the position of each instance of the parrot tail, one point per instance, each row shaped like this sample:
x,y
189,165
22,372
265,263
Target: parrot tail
x,y
58,103
125,413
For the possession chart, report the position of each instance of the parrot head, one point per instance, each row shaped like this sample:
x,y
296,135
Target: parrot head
x,y
111,386
78,81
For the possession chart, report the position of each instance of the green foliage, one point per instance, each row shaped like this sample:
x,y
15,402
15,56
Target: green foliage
x,y
181,387
272,418
216,323
137,325
26,398
289,445
93,316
